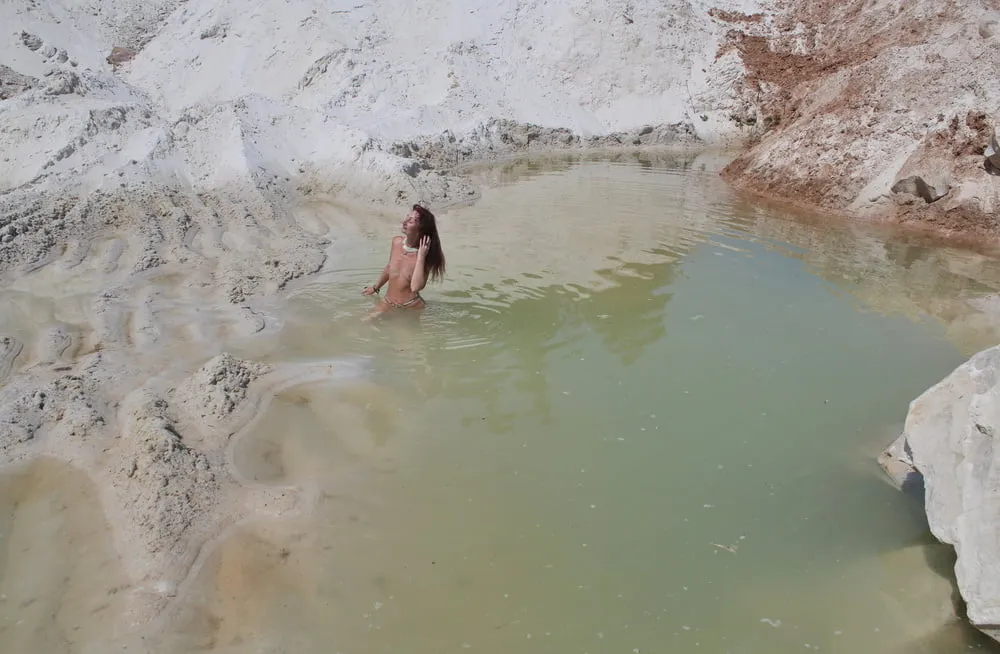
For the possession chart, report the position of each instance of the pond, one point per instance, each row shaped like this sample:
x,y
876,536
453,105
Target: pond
x,y
641,414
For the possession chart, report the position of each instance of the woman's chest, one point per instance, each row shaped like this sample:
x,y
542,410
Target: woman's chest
x,y
402,265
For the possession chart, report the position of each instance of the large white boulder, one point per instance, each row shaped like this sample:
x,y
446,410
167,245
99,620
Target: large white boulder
x,y
950,437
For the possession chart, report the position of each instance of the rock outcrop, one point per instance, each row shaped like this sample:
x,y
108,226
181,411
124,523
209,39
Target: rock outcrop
x,y
950,439
883,109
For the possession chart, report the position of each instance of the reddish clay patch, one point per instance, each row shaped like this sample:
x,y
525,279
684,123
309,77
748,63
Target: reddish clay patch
x,y
735,16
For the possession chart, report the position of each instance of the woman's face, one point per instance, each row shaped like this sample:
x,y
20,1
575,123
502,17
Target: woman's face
x,y
411,224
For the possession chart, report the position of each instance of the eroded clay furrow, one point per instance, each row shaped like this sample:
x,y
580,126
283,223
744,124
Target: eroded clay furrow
x,y
191,232
49,256
146,330
56,344
76,253
115,249
10,350
110,319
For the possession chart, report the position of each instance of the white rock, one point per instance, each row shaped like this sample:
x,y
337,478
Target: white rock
x,y
951,432
992,152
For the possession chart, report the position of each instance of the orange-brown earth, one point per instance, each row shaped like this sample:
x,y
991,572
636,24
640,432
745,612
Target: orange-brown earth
x,y
881,109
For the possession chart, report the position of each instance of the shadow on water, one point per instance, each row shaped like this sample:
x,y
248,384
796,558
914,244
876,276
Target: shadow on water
x,y
544,325
553,319
940,558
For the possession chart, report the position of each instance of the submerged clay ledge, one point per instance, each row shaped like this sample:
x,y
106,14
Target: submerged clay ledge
x,y
950,440
162,458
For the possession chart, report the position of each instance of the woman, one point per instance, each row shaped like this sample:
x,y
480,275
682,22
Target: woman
x,y
414,258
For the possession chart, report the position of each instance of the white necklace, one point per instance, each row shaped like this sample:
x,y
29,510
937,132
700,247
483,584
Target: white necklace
x,y
408,249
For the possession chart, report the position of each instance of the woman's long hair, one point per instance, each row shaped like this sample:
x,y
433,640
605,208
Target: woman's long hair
x,y
434,261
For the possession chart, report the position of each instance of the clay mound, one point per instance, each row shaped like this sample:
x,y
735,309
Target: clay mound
x,y
848,101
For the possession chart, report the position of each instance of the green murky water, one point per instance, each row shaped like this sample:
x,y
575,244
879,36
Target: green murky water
x,y
640,415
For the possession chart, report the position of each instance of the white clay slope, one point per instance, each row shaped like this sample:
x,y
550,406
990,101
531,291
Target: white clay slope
x,y
288,84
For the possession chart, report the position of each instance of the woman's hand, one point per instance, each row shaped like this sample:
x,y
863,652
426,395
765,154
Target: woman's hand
x,y
370,290
424,248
